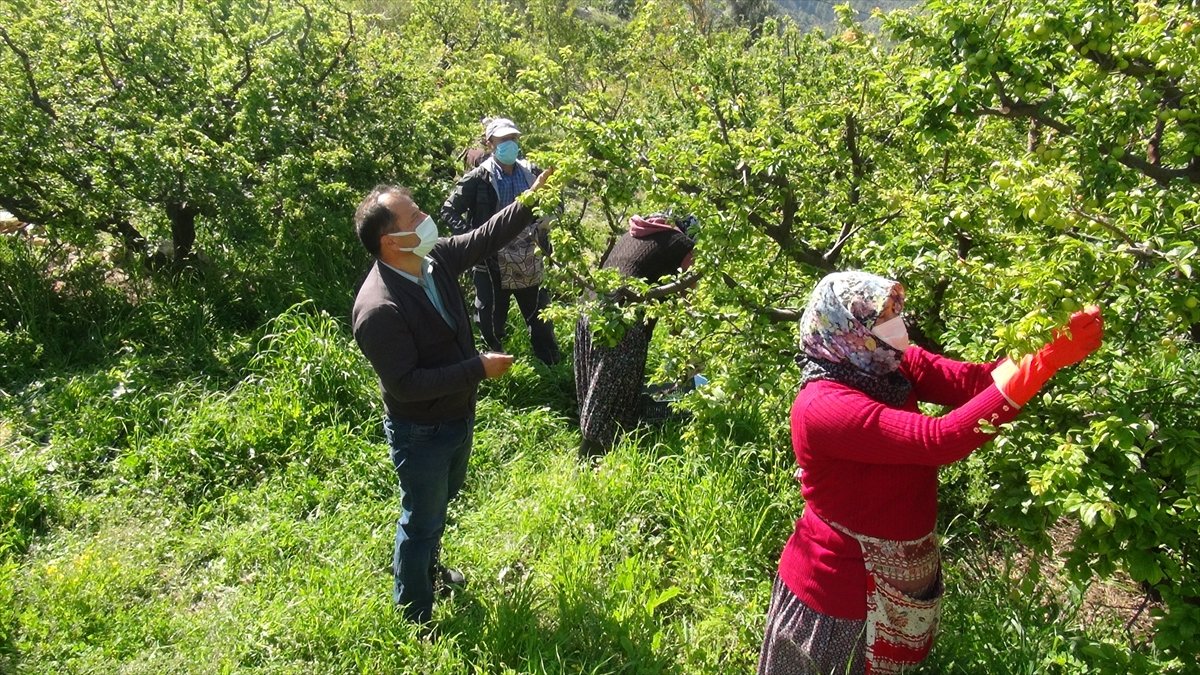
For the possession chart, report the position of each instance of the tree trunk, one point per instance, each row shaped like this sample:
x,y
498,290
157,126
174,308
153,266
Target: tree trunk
x,y
134,241
183,228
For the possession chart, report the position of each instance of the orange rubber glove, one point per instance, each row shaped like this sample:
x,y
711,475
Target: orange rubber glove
x,y
1081,337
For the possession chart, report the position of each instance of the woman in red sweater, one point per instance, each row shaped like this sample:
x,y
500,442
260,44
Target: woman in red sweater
x,y
860,582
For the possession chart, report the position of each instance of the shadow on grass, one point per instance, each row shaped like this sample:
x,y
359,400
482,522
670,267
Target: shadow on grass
x,y
76,311
532,384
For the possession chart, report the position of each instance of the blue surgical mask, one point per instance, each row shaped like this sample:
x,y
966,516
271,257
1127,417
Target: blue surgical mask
x,y
506,152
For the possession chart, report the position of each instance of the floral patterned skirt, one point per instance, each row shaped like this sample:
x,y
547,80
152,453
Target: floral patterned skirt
x,y
608,381
800,640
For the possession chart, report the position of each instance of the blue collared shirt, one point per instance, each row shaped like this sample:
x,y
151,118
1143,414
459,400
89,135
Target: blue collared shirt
x,y
426,282
507,185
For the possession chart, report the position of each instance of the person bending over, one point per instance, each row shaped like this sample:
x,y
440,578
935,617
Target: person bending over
x,y
609,380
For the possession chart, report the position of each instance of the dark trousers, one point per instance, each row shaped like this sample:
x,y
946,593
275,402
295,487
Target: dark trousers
x,y
431,463
491,313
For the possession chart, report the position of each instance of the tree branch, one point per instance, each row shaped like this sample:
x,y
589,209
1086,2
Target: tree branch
x,y
858,173
722,125
772,313
803,254
302,43
1106,224
1139,70
938,302
1161,175
341,54
1019,110
781,232
677,287
142,71
626,295
121,227
847,232
24,209
248,65
34,94
963,245
1026,111
1154,145
117,85
848,227
857,170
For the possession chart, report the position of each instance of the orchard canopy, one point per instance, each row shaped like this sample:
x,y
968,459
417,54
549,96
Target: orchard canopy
x,y
1008,162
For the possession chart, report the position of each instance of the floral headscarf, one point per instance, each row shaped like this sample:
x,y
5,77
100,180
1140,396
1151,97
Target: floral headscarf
x,y
836,337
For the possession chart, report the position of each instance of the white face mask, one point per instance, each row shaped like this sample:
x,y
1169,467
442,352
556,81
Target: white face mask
x,y
428,233
893,332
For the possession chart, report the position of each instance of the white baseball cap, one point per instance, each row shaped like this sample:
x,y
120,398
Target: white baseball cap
x,y
500,126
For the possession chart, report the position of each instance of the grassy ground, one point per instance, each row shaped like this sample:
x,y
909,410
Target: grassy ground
x,y
159,519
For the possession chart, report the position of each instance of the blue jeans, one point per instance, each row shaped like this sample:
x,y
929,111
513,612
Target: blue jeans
x,y
431,463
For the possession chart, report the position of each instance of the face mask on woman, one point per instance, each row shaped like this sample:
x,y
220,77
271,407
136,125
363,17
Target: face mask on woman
x,y
893,332
426,231
506,152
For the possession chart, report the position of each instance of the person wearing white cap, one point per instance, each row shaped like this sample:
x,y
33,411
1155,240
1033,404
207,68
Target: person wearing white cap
x,y
517,270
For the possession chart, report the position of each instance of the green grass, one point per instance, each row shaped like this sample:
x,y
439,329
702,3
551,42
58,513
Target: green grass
x,y
162,521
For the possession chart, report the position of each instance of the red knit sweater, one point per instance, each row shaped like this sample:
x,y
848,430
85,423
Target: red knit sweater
x,y
873,469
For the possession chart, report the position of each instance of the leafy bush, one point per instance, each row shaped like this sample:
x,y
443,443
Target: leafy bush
x,y
237,132
306,376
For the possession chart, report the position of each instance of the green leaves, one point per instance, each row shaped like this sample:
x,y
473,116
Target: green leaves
x,y
1007,162
171,119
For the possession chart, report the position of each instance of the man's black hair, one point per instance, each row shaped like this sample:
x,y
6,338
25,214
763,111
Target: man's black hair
x,y
372,219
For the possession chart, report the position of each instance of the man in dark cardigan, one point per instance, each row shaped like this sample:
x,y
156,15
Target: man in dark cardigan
x,y
411,322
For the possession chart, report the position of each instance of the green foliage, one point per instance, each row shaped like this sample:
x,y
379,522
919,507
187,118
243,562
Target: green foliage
x,y
26,503
305,384
1004,616
970,162
1101,187
1008,163
239,128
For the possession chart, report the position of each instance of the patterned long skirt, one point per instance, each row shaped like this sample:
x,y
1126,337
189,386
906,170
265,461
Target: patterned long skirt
x,y
608,381
802,641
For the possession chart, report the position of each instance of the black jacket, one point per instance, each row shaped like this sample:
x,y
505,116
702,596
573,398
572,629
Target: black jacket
x,y
427,370
473,200
651,257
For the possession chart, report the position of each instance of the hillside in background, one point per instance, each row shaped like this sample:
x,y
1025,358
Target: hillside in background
x,y
819,13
